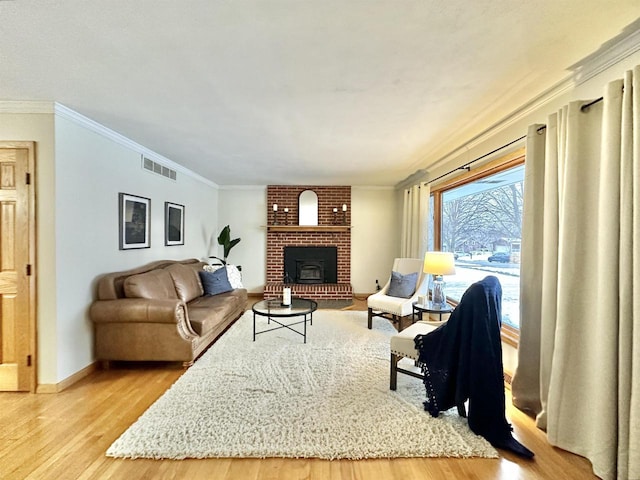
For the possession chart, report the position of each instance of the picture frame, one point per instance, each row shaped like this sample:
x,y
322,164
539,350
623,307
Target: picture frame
x,y
134,222
173,224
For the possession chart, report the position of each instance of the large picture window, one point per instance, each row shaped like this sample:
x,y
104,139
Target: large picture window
x,y
478,217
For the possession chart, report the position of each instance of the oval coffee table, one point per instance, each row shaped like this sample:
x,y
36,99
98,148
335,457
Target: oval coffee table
x,y
278,314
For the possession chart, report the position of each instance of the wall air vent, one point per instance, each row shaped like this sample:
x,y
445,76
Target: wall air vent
x,y
158,168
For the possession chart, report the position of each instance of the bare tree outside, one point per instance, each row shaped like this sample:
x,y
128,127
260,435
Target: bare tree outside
x,y
480,221
482,225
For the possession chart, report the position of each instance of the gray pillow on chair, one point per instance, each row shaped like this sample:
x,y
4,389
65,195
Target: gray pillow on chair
x,y
403,286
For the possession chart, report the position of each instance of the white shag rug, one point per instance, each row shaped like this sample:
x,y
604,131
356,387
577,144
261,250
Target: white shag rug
x,y
278,397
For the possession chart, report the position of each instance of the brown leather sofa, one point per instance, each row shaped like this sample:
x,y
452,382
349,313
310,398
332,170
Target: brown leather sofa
x,y
159,312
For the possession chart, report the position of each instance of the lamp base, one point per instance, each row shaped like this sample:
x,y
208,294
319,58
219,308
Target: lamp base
x,y
438,297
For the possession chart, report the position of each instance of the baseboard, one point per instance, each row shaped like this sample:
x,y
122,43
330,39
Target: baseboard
x,y
508,377
362,296
67,382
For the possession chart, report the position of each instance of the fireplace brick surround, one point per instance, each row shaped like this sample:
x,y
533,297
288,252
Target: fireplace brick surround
x,y
328,233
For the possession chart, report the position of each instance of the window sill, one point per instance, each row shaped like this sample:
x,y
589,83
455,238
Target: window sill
x,y
510,335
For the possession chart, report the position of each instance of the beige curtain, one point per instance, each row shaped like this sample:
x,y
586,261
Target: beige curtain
x,y
579,355
415,217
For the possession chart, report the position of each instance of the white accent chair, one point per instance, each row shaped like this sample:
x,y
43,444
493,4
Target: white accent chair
x,y
394,308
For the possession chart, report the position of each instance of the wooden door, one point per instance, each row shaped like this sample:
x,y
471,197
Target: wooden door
x,y
17,269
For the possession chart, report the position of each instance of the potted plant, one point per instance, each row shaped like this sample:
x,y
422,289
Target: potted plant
x,y
227,243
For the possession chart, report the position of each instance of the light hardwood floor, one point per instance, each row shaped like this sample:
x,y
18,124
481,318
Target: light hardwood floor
x,y
65,436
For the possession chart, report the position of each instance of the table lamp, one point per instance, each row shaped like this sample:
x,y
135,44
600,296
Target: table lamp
x,y
439,264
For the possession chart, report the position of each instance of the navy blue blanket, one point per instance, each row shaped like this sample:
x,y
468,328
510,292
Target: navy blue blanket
x,y
462,360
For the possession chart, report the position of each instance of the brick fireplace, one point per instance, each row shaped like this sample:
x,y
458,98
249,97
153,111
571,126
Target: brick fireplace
x,y
333,231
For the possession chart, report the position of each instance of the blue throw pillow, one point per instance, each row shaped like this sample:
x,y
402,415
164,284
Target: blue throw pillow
x,y
403,286
216,282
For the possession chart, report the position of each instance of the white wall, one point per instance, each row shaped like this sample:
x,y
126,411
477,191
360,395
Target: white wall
x,y
244,209
90,170
375,237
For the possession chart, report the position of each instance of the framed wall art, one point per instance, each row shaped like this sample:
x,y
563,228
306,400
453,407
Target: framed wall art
x,y
173,224
134,221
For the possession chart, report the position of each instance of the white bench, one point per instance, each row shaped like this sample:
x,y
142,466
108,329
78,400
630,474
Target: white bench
x,y
403,346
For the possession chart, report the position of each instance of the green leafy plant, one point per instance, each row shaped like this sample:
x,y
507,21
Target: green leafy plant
x,y
224,239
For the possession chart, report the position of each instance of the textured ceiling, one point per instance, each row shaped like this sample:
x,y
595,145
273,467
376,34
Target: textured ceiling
x,y
355,92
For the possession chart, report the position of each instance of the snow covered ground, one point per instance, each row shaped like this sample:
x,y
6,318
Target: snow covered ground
x,y
469,271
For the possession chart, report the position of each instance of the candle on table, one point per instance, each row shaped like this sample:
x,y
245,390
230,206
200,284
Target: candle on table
x,y
286,296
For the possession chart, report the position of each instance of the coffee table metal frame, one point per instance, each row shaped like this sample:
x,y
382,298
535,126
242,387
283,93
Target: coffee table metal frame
x,y
278,313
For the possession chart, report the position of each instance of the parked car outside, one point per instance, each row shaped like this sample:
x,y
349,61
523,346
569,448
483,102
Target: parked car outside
x,y
501,257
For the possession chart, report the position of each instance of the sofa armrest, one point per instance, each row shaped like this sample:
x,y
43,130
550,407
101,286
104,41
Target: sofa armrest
x,y
138,310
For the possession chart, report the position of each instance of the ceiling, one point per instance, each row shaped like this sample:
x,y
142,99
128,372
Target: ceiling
x,y
326,92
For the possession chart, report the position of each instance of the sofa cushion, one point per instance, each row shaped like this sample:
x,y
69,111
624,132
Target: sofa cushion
x,y
207,312
186,281
215,282
153,284
403,286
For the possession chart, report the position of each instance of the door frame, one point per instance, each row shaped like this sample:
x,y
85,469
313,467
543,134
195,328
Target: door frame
x,y
32,248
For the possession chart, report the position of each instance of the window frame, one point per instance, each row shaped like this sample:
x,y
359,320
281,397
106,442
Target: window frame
x,y
509,334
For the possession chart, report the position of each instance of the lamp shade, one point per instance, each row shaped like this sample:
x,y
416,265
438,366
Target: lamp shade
x,y
439,263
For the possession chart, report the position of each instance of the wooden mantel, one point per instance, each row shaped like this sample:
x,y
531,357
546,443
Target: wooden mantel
x,y
308,228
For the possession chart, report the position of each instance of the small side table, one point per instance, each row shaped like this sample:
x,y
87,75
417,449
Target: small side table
x,y
419,309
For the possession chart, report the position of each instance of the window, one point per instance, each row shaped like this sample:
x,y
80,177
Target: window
x,y
478,217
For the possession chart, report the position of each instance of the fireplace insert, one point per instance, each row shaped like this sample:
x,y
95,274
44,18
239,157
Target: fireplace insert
x,y
310,265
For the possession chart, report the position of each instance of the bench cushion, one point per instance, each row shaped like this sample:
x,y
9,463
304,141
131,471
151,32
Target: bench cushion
x,y
402,343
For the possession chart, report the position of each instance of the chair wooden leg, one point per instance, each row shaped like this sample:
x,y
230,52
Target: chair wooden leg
x,y
398,320
370,318
393,378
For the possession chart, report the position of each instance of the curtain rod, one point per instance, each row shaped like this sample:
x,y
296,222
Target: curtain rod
x,y
586,106
583,109
467,167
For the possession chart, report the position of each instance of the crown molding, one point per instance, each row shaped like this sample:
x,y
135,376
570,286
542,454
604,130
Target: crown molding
x,y
608,55
536,103
413,179
373,187
73,116
242,187
26,106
